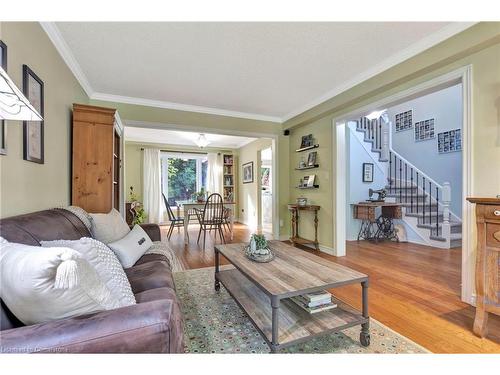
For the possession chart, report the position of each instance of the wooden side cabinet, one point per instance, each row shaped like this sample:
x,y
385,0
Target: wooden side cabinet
x,y
487,262
97,153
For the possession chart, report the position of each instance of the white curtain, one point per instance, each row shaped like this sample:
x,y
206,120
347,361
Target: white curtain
x,y
214,172
153,201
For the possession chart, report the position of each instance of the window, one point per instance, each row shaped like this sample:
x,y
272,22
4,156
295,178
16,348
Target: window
x,y
183,175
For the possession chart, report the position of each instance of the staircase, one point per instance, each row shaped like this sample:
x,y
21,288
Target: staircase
x,y
426,204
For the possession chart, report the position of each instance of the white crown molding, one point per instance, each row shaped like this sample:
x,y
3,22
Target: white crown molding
x,y
182,107
416,48
62,47
413,50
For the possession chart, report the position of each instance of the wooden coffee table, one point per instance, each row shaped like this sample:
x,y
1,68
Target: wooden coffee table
x,y
263,291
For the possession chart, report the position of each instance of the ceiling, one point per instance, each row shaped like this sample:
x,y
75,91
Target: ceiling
x,y
266,71
182,138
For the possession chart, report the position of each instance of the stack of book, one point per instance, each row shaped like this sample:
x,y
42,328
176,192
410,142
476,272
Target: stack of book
x,y
315,302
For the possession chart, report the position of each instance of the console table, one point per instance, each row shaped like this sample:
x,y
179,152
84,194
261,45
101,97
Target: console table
x,y
487,262
373,227
295,238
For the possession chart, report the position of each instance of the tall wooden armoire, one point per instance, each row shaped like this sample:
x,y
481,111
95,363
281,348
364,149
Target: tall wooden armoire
x,y
97,176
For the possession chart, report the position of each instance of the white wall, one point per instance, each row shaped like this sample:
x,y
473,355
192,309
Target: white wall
x,y
445,106
249,195
357,189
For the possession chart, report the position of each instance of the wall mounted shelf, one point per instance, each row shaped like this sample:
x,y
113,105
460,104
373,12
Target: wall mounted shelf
x,y
307,148
308,167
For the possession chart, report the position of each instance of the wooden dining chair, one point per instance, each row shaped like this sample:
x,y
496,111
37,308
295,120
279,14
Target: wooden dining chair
x,y
175,221
211,217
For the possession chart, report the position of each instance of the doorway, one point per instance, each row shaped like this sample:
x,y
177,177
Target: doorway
x,y
266,190
461,76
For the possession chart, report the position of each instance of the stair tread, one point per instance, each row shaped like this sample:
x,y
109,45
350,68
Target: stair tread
x,y
453,237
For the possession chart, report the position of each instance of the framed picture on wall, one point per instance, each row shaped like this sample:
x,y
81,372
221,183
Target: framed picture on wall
x,y
367,172
404,121
248,172
33,141
450,141
424,130
311,159
3,127
307,141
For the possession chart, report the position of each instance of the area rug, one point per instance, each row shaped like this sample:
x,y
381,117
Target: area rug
x,y
214,323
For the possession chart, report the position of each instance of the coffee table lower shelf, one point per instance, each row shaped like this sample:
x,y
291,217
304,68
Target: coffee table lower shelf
x,y
294,324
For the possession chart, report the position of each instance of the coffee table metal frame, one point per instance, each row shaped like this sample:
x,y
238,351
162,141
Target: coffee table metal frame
x,y
363,320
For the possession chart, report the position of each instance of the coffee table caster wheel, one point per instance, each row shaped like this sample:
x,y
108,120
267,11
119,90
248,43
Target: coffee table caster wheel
x,y
364,338
217,286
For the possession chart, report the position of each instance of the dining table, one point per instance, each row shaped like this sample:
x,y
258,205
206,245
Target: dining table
x,y
189,206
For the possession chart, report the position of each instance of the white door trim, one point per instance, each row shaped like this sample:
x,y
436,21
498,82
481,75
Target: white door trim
x,y
462,75
202,129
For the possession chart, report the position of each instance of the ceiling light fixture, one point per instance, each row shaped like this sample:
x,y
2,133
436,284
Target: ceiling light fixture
x,y
13,104
202,141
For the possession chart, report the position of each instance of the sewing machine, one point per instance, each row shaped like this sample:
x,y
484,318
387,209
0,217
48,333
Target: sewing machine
x,y
381,195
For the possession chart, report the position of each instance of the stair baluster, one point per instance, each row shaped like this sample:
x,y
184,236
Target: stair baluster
x,y
390,172
430,202
437,209
412,190
400,184
406,183
423,200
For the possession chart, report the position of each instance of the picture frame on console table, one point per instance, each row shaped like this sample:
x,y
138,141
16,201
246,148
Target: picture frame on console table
x,y
33,135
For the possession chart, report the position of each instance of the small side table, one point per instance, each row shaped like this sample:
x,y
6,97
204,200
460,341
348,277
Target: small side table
x,y
295,238
373,228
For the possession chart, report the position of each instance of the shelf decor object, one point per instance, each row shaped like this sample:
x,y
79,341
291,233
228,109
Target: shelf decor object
x,y
228,178
424,130
404,121
450,141
294,211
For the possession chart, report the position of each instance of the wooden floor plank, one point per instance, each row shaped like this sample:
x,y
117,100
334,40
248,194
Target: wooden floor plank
x,y
414,289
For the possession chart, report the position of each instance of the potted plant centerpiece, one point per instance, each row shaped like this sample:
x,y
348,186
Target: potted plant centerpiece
x,y
258,249
200,196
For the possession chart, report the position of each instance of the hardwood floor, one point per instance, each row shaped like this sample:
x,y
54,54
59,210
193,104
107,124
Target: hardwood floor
x,y
414,290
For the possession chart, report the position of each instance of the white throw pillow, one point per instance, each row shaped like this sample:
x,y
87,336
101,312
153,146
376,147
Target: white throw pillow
x,y
41,284
109,227
105,262
131,247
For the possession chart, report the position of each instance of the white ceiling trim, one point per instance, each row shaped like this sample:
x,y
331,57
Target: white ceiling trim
x,y
57,39
181,107
425,43
405,54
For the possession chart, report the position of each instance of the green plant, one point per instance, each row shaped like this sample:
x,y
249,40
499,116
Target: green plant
x,y
136,208
260,241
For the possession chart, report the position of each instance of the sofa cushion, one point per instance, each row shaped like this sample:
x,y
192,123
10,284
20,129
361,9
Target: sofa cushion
x,y
150,275
131,247
149,257
109,227
106,264
42,284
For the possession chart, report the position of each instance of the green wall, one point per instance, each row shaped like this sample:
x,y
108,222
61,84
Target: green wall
x,y
26,186
478,46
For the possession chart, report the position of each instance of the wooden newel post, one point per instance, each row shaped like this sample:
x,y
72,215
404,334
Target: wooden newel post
x,y
446,229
